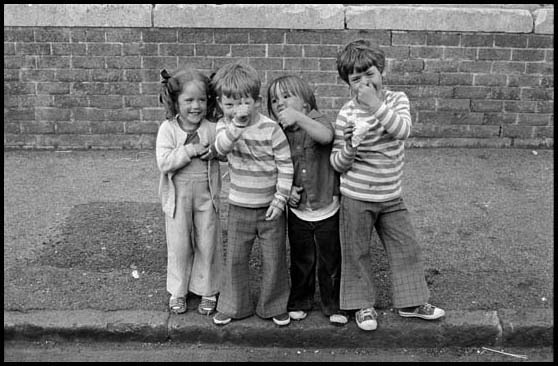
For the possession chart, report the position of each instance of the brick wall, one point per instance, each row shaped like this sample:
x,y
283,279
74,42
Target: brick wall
x,y
71,86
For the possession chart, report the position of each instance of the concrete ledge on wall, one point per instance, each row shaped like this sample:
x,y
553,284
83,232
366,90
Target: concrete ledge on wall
x,y
77,15
408,17
296,16
519,18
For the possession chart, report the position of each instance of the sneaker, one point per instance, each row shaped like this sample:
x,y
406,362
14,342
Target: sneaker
x,y
366,319
221,319
426,311
177,305
338,319
207,305
282,319
297,314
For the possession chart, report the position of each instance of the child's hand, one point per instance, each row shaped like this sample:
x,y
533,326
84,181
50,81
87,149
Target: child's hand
x,y
209,154
348,133
294,197
273,213
194,150
241,116
288,117
368,95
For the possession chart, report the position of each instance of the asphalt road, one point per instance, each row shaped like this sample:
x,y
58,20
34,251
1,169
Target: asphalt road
x,y
51,351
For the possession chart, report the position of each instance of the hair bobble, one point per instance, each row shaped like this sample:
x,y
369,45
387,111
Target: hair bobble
x,y
166,76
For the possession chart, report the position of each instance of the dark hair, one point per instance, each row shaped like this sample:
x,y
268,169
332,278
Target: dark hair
x,y
236,80
293,85
358,56
172,84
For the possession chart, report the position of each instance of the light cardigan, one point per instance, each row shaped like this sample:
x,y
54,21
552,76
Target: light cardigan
x,y
171,156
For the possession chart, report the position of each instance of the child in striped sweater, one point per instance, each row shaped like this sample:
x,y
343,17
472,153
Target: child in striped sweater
x,y
368,152
261,174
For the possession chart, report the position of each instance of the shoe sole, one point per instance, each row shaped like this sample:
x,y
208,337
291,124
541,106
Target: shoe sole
x,y
365,329
177,311
282,322
298,318
222,322
206,311
425,317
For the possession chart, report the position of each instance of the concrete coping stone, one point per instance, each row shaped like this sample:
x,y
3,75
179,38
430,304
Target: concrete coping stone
x,y
428,17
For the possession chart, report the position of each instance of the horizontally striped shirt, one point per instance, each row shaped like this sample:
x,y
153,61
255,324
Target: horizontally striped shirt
x,y
373,173
260,165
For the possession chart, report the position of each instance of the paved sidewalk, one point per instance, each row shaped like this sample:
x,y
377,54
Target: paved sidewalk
x,y
30,213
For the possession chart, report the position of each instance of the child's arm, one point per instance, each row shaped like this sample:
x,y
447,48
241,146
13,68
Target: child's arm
x,y
282,155
396,121
226,136
319,132
169,157
343,153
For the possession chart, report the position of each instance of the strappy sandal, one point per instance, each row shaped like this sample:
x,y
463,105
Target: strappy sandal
x,y
177,305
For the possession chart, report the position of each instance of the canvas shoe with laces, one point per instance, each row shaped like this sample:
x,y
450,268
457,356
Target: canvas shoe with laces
x,y
221,319
338,319
297,314
426,311
282,319
366,319
207,305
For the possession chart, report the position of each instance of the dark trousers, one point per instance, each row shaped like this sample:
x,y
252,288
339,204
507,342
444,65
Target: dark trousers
x,y
314,244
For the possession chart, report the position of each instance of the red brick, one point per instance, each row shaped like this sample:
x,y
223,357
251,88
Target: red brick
x,y
540,41
319,77
327,64
104,49
150,88
303,37
537,94
426,52
32,48
499,118
126,62
122,114
319,51
461,53
15,88
108,75
195,62
23,34
195,36
409,66
159,35
510,40
301,63
547,81
477,40
9,48
505,93
34,75
265,63
456,79
505,67
106,127
284,50
528,55
332,90
248,50
53,88
141,101
267,36
41,127
442,39
212,50
153,114
396,52
408,38
140,49
517,131
457,118
543,132
494,54
11,128
428,104
533,119
545,107
88,62
486,106
523,80
87,35
490,79
19,114
175,49
138,75
123,35
163,62
89,114
106,101
73,127
540,68
483,131
228,36
454,104
68,49
52,34
141,127
474,66
52,114
69,101
520,106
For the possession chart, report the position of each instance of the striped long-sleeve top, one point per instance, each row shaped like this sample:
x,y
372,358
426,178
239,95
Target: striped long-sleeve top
x,y
373,171
260,165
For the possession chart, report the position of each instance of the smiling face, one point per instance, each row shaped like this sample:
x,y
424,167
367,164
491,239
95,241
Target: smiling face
x,y
281,100
371,77
245,109
192,104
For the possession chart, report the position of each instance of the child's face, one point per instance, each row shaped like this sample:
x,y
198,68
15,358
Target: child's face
x,y
192,103
371,77
244,109
283,100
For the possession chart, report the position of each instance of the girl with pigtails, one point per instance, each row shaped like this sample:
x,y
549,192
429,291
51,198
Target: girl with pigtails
x,y
189,189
